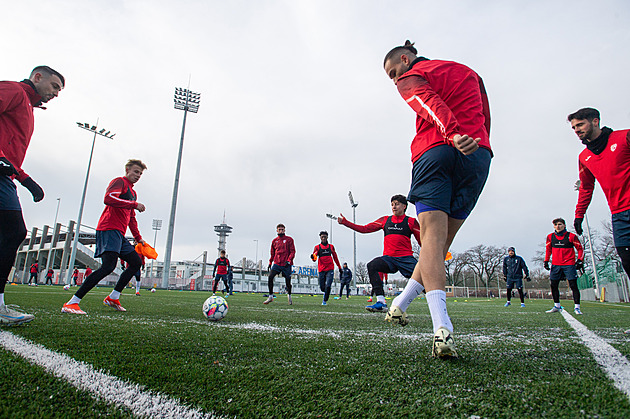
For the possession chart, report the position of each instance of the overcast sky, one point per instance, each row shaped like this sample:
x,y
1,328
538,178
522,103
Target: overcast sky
x,y
296,110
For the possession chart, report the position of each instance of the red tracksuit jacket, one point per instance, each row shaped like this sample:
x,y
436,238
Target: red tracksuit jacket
x,y
120,203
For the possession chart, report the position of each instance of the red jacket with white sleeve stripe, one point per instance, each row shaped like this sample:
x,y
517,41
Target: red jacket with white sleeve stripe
x,y
120,204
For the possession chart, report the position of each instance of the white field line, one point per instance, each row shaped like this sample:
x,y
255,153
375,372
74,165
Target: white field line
x,y
102,386
616,366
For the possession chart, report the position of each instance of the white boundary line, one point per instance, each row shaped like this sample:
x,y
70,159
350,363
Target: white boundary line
x,y
102,386
616,366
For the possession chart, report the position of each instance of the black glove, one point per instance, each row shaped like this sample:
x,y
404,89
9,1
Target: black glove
x,y
340,273
269,267
546,265
579,265
528,279
6,168
34,189
577,225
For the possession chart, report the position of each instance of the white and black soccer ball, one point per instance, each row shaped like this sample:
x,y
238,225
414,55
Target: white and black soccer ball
x,y
66,287
215,308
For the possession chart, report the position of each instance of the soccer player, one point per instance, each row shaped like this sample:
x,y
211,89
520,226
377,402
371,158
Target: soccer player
x,y
325,253
561,246
34,271
221,269
451,160
87,272
397,251
49,276
75,276
280,262
121,202
606,159
345,279
513,267
17,101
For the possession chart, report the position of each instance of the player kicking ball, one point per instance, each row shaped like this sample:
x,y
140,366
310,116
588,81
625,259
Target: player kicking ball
x,y
111,244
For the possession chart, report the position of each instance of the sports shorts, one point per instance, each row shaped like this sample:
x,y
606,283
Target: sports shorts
x,y
621,228
515,282
559,272
403,264
9,200
112,241
444,179
284,270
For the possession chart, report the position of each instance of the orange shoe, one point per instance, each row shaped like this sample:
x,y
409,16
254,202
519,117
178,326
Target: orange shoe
x,y
370,300
72,309
115,304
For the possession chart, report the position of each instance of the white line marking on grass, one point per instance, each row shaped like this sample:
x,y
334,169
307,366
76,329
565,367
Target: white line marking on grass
x,y
616,366
100,385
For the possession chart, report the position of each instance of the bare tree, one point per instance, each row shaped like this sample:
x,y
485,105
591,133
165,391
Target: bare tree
x,y
249,264
361,273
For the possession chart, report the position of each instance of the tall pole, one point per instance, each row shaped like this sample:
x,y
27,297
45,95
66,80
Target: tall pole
x,y
75,242
157,225
354,237
187,101
50,252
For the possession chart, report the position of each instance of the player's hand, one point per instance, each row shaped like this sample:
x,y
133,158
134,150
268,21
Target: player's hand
x,y
141,207
577,225
546,265
33,188
528,279
465,144
579,265
341,219
314,257
269,267
6,168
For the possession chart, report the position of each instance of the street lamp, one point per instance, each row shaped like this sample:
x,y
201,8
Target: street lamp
x,y
256,260
103,133
354,234
157,225
186,101
590,246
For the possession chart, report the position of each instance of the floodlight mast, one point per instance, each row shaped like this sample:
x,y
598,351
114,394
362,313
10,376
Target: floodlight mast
x,y
354,236
188,102
92,128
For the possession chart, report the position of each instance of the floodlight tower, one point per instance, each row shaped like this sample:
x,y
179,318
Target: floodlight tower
x,y
222,231
103,133
157,225
186,101
354,234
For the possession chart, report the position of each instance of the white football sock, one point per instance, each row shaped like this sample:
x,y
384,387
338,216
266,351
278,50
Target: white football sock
x,y
114,295
437,306
411,291
380,299
138,286
577,306
1,299
74,300
557,305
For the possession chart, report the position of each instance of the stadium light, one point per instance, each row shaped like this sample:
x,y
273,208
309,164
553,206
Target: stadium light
x,y
256,260
75,242
186,101
590,246
354,206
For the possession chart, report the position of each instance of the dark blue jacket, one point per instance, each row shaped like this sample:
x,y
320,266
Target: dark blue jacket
x,y
513,267
346,276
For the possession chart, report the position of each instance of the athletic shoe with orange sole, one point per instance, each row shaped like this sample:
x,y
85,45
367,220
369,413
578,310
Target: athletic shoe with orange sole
x,y
72,309
115,304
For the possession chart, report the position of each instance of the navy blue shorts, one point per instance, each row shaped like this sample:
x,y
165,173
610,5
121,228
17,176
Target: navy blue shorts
x,y
559,272
284,270
112,241
403,264
621,228
326,279
9,200
515,282
444,179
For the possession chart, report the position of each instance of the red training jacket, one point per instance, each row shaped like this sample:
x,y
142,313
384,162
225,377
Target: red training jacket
x,y
394,243
448,98
282,251
611,168
325,256
561,248
16,122
221,266
120,203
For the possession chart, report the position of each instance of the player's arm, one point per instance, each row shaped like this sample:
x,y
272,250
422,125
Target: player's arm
x,y
214,270
525,268
578,246
585,194
112,195
335,258
368,228
133,227
505,267
272,252
548,249
291,251
485,104
9,100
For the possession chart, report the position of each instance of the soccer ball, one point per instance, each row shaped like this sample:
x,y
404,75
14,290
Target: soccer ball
x,y
152,289
215,308
66,287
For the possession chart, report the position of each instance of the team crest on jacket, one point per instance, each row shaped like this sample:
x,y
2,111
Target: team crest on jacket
x,y
613,147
